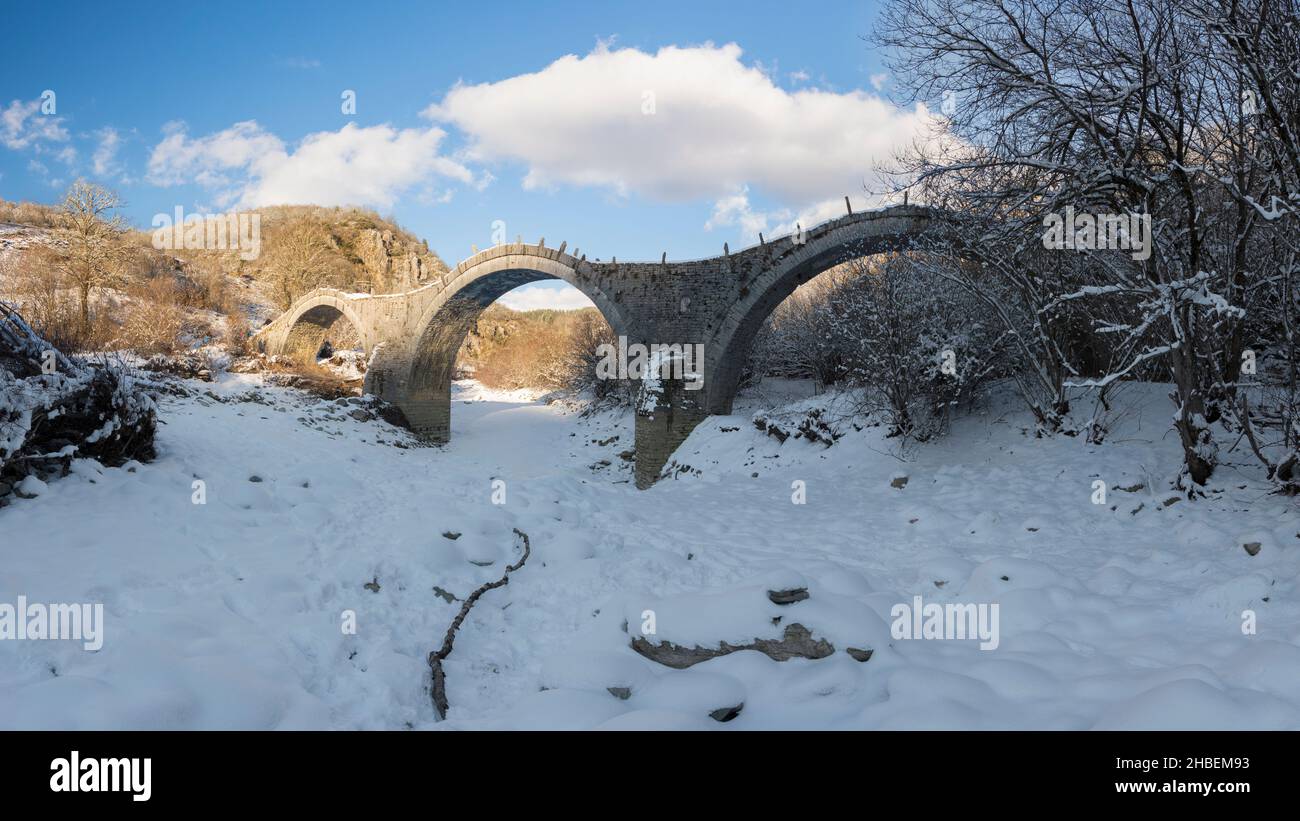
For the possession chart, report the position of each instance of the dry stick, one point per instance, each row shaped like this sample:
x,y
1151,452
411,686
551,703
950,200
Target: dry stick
x,y
439,689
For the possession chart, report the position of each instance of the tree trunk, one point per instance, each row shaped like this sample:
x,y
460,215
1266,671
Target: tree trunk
x,y
83,290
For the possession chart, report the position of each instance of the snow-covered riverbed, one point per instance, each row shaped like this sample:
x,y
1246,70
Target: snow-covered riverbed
x,y
231,613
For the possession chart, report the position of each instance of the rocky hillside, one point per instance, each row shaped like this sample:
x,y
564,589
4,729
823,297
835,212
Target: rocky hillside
x,y
365,251
358,249
213,293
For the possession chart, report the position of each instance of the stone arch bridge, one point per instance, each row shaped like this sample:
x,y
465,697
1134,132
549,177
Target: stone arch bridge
x,y
411,339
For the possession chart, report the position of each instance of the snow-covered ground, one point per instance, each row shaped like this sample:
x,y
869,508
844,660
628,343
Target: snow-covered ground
x,y
231,614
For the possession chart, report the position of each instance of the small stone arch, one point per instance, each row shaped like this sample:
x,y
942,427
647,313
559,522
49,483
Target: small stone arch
x,y
315,320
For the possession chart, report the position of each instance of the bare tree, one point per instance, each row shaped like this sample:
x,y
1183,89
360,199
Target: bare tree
x,y
1258,44
92,243
1105,107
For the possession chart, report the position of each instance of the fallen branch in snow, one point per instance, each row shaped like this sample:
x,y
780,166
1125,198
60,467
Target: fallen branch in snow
x,y
439,688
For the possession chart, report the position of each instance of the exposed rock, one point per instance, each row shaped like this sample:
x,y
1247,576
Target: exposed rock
x,y
186,365
899,482
787,596
797,642
394,263
1252,547
725,714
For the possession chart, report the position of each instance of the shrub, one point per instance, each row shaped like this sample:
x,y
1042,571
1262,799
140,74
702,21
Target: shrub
x,y
153,318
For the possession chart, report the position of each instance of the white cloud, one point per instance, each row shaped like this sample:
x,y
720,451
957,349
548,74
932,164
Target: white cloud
x,y
363,166
562,297
820,212
104,160
735,210
216,160
355,165
718,126
878,81
22,125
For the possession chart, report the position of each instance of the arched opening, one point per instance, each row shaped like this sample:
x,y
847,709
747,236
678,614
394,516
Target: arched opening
x,y
789,263
796,351
328,348
799,289
535,338
474,326
892,326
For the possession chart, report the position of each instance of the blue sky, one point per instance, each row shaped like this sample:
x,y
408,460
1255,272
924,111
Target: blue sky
x,y
625,129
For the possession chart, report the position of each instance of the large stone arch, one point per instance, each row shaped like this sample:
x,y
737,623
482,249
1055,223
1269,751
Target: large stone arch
x,y
418,378
311,321
850,237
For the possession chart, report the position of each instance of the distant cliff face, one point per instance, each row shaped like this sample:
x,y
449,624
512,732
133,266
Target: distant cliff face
x,y
359,250
395,263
